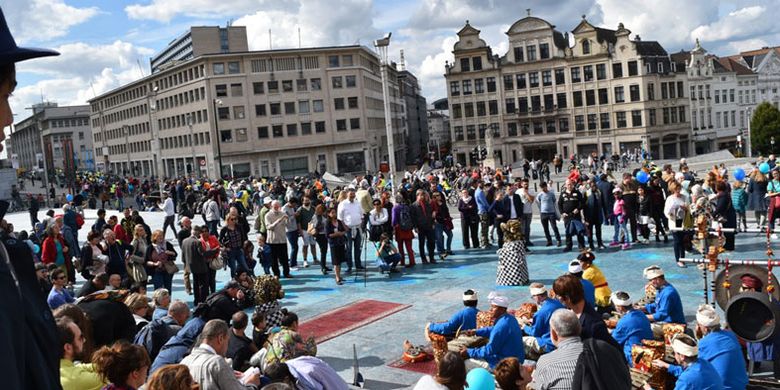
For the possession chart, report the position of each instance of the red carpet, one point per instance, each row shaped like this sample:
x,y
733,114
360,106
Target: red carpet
x,y
426,367
347,318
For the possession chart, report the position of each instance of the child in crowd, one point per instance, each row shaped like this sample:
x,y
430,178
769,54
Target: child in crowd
x,y
264,254
739,199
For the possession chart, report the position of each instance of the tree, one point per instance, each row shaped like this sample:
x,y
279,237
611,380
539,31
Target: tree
x,y
764,125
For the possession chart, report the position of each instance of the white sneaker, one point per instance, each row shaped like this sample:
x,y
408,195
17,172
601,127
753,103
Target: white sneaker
x,y
293,269
305,264
774,236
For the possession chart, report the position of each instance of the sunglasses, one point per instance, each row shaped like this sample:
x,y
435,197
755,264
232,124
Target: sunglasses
x,y
60,278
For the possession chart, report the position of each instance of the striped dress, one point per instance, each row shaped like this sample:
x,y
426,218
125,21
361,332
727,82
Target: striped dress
x,y
555,370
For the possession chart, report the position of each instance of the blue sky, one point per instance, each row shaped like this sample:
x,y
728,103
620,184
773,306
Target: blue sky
x,y
103,41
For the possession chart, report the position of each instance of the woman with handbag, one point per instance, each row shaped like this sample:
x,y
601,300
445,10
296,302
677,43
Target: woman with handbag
x,y
757,200
403,226
54,249
443,225
377,219
316,229
677,210
469,219
161,259
93,261
338,244
137,261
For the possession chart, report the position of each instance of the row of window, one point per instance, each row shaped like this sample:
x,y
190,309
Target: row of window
x,y
133,130
185,140
125,114
670,115
186,97
530,52
180,120
180,77
73,122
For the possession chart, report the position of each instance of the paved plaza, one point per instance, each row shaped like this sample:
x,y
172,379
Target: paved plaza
x,y
434,291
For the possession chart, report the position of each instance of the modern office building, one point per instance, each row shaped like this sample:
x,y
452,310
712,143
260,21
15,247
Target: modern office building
x,y
605,92
416,117
264,113
66,135
198,41
723,94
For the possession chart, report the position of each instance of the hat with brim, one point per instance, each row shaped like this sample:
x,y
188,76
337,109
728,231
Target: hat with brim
x,y
11,53
653,272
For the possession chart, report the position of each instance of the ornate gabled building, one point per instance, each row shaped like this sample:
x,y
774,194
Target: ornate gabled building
x,y
557,93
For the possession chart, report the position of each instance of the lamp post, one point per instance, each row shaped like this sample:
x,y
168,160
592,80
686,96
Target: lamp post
x,y
155,139
381,47
126,130
215,103
748,138
190,122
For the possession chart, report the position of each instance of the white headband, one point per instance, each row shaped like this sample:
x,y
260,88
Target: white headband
x,y
575,267
684,349
653,272
621,302
472,297
707,316
538,290
498,300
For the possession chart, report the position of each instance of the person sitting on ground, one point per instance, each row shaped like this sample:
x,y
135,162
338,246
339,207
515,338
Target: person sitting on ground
x,y
139,306
114,282
305,372
464,319
450,374
97,283
633,326
387,254
225,302
593,274
180,344
537,332
124,365
42,274
505,338
58,295
691,372
568,289
246,283
555,370
575,269
287,343
172,377
207,363
720,348
157,332
240,347
75,376
511,375
268,292
161,298
668,305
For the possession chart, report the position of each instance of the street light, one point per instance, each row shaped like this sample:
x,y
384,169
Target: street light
x,y
126,130
381,47
217,137
748,138
190,122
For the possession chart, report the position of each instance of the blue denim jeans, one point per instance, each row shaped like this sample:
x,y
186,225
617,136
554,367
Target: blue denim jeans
x,y
292,239
620,227
237,261
162,279
440,230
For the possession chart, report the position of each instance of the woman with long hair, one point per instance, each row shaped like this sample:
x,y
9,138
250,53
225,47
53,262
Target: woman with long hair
x,y
172,377
123,365
336,231
162,264
677,210
757,201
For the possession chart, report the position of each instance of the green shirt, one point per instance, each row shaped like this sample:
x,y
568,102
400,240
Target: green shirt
x,y
79,376
306,216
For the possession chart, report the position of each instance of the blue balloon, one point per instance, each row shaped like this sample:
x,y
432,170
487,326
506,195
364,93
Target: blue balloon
x,y
69,197
642,177
480,379
130,187
36,248
739,174
764,168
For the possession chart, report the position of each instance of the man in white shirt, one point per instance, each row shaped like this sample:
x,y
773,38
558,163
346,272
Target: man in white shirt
x,y
207,363
350,213
527,196
170,214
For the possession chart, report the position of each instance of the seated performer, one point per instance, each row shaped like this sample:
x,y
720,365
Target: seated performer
x,y
633,326
667,306
464,319
691,372
721,349
575,268
537,333
594,275
505,338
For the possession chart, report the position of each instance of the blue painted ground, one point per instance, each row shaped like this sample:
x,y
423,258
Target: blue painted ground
x,y
435,290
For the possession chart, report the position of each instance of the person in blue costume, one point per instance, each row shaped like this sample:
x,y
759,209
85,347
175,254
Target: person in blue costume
x,y
504,337
633,326
464,319
668,305
692,372
536,340
575,268
721,349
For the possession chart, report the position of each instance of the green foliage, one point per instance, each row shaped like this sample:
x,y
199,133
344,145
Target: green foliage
x,y
764,125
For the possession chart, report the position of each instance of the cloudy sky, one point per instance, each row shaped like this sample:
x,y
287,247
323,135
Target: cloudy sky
x,y
106,44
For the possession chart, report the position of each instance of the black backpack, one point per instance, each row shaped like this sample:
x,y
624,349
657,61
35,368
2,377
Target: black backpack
x,y
405,218
601,367
153,336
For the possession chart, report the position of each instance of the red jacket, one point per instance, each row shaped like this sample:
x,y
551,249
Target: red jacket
x,y
213,243
120,234
49,250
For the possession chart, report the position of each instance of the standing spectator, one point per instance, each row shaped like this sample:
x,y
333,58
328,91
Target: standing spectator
x,y
260,221
207,363
210,242
469,219
594,214
54,248
336,232
211,213
305,215
139,256
548,213
232,244
527,196
677,210
773,193
161,258
100,223
629,187
293,230
571,204
444,225
621,220
403,226
35,206
350,213
193,254
422,212
739,202
757,201
725,211
483,206
116,252
184,232
276,223
318,223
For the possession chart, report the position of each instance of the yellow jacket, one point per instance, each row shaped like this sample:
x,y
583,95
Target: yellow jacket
x,y
79,376
595,276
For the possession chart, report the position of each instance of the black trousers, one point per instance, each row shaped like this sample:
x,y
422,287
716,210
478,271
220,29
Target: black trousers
x,y
596,227
169,221
426,238
322,242
279,256
469,230
201,286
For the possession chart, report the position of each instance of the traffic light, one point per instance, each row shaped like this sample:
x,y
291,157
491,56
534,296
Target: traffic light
x,y
483,153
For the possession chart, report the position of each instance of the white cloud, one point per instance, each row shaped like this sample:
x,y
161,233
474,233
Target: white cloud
x,y
165,10
743,23
43,20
